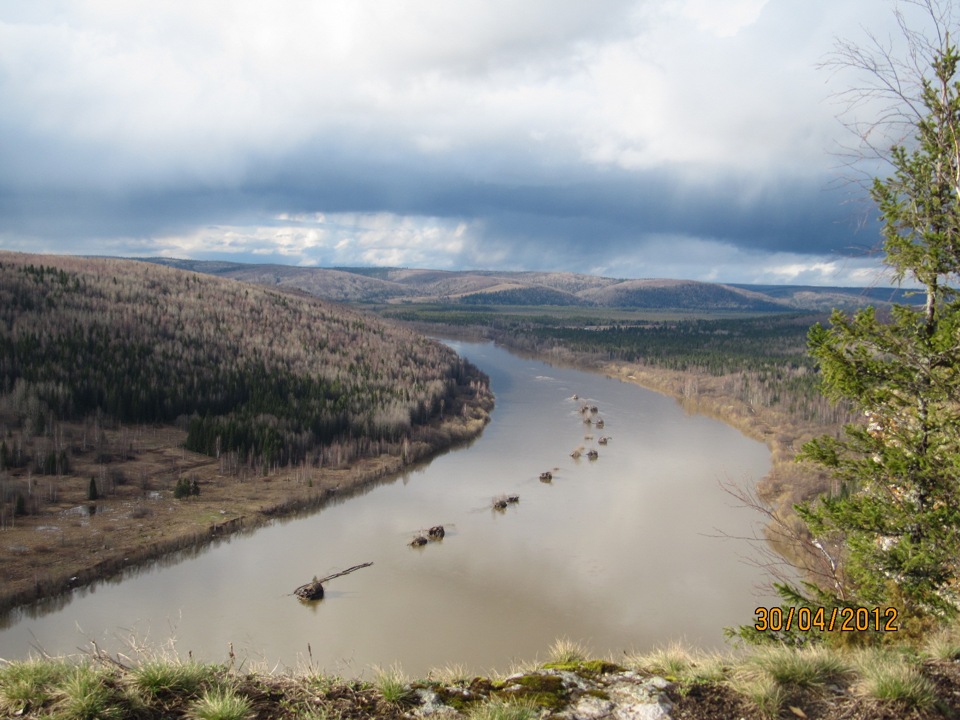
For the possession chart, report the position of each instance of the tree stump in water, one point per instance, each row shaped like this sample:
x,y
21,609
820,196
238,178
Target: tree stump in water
x,y
313,590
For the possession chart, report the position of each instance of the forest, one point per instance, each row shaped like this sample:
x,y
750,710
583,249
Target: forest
x,y
269,378
760,359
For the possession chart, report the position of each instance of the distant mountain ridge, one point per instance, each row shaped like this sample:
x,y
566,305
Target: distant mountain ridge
x,y
489,287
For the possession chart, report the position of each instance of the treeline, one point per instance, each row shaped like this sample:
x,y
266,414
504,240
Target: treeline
x,y
716,347
759,360
522,296
269,376
763,361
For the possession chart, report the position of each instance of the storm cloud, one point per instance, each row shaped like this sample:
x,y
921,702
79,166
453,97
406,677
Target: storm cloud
x,y
671,138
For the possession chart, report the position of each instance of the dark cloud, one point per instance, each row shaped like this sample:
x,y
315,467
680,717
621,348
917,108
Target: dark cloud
x,y
543,135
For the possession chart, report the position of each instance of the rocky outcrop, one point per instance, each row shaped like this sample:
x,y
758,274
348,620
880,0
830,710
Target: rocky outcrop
x,y
557,692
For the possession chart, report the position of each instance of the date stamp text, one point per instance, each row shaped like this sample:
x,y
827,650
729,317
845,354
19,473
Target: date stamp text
x,y
844,619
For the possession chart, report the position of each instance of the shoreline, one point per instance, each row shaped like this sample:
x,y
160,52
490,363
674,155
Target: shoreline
x,y
51,554
226,507
784,540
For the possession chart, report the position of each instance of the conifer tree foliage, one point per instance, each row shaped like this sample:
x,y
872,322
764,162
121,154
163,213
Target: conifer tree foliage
x,y
894,516
261,377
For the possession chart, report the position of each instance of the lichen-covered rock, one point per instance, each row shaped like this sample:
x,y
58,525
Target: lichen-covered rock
x,y
430,705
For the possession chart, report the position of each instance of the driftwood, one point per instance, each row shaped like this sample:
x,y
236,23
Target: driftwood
x,y
313,590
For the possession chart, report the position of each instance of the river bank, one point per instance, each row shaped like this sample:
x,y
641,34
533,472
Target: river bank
x,y
775,494
74,541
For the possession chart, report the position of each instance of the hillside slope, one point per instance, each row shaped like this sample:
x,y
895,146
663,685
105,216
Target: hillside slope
x,y
269,376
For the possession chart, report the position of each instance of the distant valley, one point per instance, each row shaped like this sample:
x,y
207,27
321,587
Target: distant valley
x,y
496,288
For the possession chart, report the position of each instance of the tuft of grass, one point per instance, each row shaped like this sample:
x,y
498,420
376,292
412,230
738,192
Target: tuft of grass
x,y
672,662
501,710
802,668
393,685
894,678
87,693
163,678
677,663
450,674
768,676
30,684
565,650
762,690
944,645
223,703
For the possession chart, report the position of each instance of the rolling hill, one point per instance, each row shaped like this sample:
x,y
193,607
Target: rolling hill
x,y
468,287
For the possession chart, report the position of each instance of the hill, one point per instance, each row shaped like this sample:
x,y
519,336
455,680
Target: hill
x,y
271,377
151,397
474,287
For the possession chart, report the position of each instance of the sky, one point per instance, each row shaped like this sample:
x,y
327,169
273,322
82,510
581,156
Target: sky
x,y
689,139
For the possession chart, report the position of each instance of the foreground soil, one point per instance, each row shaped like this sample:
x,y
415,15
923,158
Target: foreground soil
x,y
70,540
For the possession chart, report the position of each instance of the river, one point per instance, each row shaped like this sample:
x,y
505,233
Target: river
x,y
621,553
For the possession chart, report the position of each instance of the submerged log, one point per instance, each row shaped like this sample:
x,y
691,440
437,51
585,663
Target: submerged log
x,y
313,590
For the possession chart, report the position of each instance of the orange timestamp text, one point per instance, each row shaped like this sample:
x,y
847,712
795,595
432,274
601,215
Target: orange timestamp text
x,y
841,619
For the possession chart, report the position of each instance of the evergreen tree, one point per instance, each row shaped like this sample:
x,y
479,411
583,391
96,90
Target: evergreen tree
x,y
896,510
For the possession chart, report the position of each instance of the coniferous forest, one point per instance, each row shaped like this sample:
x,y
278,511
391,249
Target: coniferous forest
x,y
268,378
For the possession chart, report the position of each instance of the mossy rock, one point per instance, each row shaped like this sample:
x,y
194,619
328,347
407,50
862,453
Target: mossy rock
x,y
463,696
585,668
546,691
459,698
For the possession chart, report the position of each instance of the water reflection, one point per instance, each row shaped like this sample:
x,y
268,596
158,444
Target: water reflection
x,y
615,552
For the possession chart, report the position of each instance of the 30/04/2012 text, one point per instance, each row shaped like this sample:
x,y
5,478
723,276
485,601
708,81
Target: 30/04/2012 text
x,y
841,619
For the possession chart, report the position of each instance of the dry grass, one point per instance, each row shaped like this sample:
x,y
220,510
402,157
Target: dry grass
x,y
565,650
891,677
679,663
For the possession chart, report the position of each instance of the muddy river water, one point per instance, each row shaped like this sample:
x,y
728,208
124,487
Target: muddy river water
x,y
621,553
